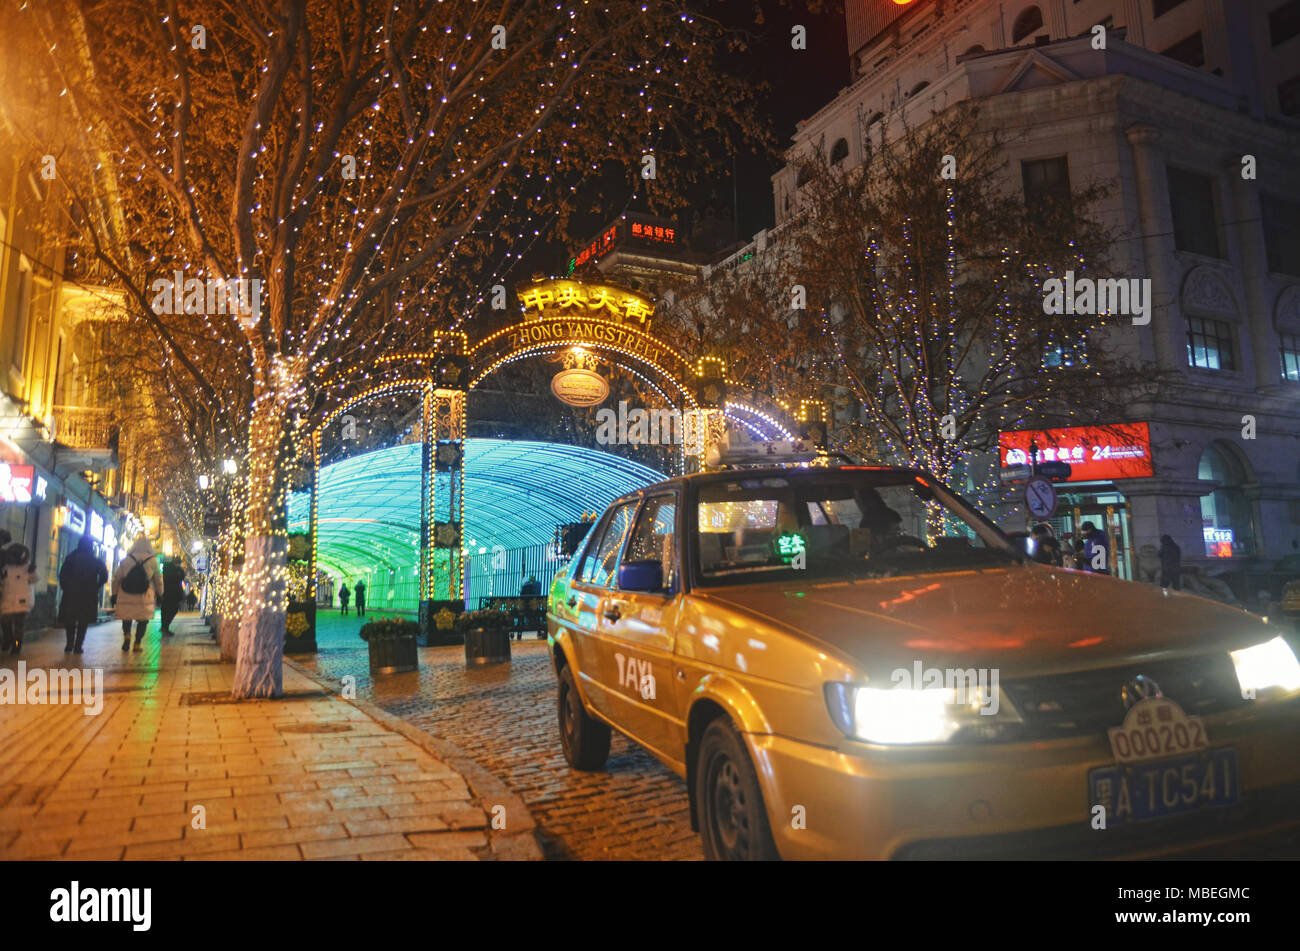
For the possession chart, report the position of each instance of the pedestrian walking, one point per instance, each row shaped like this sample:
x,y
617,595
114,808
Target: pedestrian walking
x,y
191,599
137,587
173,576
81,578
19,580
1096,549
360,595
1171,564
345,593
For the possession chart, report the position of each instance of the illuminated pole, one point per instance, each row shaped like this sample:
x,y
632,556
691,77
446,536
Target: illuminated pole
x,y
312,517
442,554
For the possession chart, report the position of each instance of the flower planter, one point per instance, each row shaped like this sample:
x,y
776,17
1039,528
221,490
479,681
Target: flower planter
x,y
394,655
487,645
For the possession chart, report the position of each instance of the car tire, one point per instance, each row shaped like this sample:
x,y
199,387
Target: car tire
x,y
584,738
732,815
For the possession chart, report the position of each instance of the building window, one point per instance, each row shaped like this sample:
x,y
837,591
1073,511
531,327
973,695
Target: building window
x,y
1196,226
1029,21
1288,96
867,126
1190,51
1209,344
1284,22
18,342
1066,354
804,177
1160,7
1046,180
1281,220
1225,512
1291,357
839,151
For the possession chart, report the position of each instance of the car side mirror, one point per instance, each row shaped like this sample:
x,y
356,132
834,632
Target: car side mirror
x,y
641,575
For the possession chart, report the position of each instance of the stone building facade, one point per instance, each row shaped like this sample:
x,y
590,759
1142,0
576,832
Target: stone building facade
x,y
1187,111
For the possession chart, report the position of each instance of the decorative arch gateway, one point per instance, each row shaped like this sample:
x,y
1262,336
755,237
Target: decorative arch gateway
x,y
558,315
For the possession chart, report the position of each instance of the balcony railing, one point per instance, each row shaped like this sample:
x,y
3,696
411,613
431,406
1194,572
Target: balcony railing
x,y
84,427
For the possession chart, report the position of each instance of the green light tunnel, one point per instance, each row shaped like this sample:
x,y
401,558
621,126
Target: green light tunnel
x,y
516,492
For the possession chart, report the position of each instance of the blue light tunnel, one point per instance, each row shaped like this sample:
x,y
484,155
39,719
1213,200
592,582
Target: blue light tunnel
x,y
516,492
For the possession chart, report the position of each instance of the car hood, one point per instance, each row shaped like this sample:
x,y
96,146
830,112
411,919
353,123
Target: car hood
x,y
1023,619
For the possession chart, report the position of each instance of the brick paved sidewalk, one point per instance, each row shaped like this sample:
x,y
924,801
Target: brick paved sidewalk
x,y
312,776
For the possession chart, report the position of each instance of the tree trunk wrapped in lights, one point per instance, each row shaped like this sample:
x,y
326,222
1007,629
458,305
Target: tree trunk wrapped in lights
x,y
264,580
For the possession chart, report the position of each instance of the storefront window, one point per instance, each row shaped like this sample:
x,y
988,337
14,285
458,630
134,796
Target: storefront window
x,y
1225,513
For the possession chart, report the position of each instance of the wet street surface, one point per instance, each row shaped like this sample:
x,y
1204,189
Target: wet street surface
x,y
503,717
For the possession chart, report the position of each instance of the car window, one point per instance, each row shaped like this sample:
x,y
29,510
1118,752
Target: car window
x,y
835,524
655,537
602,558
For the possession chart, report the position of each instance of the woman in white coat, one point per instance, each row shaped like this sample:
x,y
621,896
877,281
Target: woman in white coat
x,y
137,588
18,578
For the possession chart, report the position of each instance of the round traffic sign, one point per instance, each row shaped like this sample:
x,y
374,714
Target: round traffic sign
x,y
1040,497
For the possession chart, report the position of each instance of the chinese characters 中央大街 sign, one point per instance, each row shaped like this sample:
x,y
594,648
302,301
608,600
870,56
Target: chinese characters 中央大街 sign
x,y
575,299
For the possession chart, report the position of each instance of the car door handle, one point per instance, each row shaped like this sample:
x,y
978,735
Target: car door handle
x,y
612,613
572,602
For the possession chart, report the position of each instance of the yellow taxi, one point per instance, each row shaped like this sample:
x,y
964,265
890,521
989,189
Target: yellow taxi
x,y
851,662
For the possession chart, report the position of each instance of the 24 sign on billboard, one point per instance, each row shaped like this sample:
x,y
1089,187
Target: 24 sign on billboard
x,y
1094,453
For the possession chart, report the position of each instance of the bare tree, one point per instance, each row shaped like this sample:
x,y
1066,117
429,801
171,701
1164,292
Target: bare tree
x,y
910,289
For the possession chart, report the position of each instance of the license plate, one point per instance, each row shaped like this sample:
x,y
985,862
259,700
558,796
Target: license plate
x,y
1139,792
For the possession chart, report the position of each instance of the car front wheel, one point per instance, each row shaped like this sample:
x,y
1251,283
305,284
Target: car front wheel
x,y
733,820
584,738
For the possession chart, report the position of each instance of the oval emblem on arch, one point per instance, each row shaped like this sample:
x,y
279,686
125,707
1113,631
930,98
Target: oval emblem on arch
x,y
579,387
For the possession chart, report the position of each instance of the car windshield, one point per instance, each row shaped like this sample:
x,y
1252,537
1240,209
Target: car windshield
x,y
838,524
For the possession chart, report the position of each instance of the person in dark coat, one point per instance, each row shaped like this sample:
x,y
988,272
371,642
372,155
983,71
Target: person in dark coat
x,y
1171,564
173,591
1096,549
360,594
81,578
345,593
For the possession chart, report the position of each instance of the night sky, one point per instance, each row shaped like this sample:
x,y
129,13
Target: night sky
x,y
791,85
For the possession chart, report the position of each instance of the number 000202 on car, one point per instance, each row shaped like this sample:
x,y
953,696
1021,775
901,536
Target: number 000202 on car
x,y
1132,743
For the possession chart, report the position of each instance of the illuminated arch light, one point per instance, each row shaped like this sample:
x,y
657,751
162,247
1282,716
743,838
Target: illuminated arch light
x,y
385,389
516,491
740,411
553,346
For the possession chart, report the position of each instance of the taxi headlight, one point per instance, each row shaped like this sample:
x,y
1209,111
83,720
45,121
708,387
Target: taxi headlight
x,y
1267,671
901,715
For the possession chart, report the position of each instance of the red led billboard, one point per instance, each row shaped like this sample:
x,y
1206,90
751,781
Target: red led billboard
x,y
1113,451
